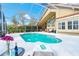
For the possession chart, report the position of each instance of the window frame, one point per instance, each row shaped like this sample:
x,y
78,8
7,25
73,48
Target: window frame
x,y
75,24
69,25
59,25
63,25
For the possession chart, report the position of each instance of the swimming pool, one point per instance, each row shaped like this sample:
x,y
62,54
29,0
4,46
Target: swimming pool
x,y
35,37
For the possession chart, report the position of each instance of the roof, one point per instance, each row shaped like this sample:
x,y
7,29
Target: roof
x,y
61,5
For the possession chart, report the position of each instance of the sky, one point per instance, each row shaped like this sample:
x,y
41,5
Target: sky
x,y
35,11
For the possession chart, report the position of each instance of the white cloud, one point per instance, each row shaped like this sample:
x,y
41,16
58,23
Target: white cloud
x,y
27,16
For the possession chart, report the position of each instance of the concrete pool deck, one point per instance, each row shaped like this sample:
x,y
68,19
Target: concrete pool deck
x,y
68,47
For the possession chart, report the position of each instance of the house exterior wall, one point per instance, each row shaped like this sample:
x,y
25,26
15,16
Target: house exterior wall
x,y
66,20
60,13
63,11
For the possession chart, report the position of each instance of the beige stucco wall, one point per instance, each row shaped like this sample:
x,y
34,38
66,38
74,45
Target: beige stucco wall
x,y
66,19
63,12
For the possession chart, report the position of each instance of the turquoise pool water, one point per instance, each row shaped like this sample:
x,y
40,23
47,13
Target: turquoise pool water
x,y
35,37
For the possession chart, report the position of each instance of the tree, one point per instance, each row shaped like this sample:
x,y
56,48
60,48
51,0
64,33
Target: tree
x,y
22,18
15,23
32,23
10,28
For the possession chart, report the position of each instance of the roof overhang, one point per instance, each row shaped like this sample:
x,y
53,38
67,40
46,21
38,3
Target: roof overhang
x,y
48,15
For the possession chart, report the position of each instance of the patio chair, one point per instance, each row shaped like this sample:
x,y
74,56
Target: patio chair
x,y
43,50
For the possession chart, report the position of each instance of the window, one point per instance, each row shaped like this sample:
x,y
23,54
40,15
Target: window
x,y
49,21
59,25
70,25
48,25
63,25
75,24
